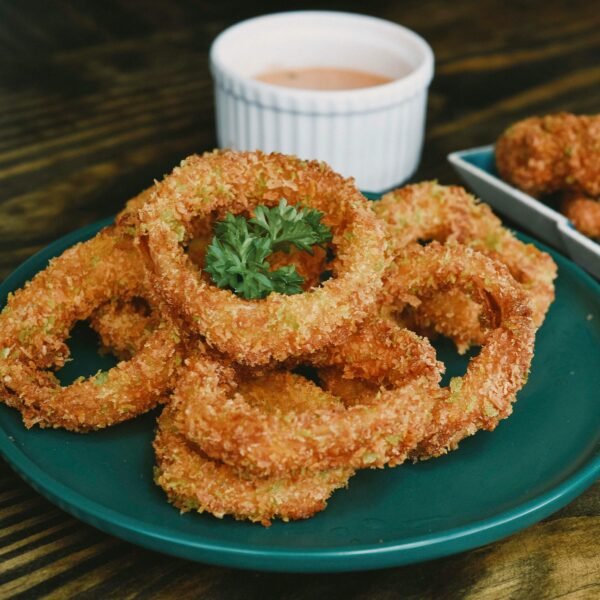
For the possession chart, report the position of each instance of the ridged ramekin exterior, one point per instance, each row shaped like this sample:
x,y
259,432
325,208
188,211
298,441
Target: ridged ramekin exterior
x,y
375,137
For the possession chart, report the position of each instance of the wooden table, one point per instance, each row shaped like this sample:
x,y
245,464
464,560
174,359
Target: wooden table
x,y
99,98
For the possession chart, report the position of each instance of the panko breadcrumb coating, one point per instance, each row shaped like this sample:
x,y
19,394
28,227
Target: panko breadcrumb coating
x,y
230,428
428,211
560,152
193,481
241,434
37,319
583,212
279,326
484,395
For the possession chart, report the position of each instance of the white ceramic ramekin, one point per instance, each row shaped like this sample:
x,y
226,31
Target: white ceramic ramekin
x,y
372,134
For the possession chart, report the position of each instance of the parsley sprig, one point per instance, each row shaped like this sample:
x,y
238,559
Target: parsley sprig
x,y
236,258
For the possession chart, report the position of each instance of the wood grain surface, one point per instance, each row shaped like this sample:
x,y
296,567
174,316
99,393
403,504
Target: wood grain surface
x,y
97,98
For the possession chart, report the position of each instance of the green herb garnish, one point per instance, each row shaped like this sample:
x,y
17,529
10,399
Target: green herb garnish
x,y
237,256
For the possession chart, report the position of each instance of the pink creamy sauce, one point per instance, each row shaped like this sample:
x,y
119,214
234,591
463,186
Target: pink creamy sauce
x,y
323,78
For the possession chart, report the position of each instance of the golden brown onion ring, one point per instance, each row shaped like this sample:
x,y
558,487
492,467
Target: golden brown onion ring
x,y
485,394
280,326
230,428
193,481
38,318
428,211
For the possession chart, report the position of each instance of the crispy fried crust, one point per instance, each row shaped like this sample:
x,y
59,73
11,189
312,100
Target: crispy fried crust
x,y
38,318
583,212
559,152
239,436
383,352
125,325
279,326
193,481
428,211
485,394
230,428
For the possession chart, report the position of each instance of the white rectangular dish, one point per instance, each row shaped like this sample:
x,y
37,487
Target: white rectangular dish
x,y
477,166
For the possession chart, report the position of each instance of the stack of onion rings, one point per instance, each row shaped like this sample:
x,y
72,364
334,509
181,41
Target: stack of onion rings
x,y
242,434
193,481
428,211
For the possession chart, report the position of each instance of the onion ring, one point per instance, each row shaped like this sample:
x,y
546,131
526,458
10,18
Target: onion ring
x,y
229,428
485,394
382,352
193,481
255,332
37,319
124,326
428,211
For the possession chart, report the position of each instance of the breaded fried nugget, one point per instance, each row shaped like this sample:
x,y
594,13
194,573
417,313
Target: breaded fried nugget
x,y
583,212
542,155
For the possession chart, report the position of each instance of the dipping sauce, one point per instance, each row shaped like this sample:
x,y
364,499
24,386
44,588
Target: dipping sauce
x,y
323,78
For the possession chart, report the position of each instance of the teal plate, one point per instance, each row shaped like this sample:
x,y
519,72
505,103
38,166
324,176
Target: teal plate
x,y
497,483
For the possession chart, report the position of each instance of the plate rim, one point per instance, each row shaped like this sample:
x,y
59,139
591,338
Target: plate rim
x,y
335,559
